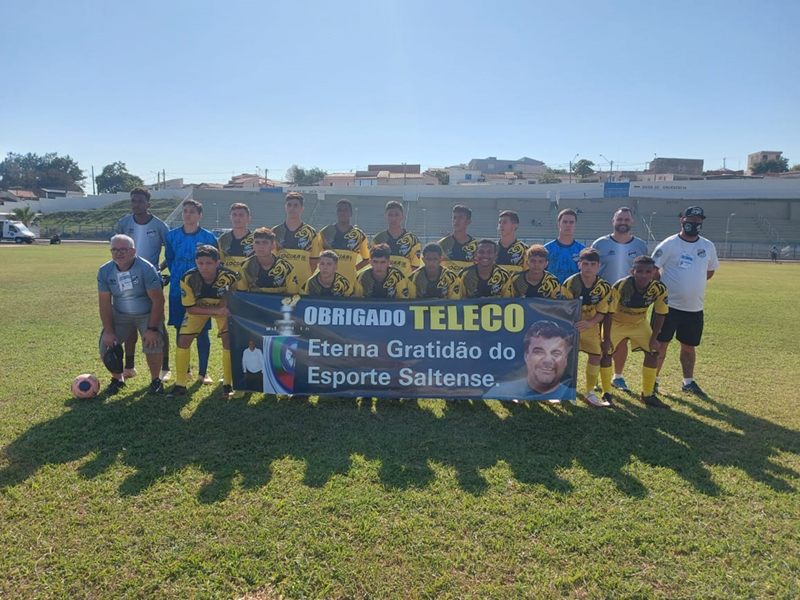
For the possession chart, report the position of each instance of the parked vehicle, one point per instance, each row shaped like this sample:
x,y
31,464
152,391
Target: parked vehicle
x,y
15,230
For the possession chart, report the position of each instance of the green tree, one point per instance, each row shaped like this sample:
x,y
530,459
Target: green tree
x,y
25,215
795,167
779,165
440,174
549,175
583,168
31,171
115,178
300,176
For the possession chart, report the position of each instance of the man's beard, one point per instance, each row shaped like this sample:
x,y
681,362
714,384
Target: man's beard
x,y
621,228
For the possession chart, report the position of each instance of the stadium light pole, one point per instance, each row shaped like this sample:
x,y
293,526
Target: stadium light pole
x,y
610,168
727,231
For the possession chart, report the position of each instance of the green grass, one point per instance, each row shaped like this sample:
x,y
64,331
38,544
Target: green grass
x,y
141,498
100,221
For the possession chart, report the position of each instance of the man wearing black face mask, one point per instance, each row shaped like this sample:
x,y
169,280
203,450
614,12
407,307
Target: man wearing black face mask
x,y
685,262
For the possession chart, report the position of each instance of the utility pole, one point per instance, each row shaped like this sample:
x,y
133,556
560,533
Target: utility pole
x,y
94,192
164,178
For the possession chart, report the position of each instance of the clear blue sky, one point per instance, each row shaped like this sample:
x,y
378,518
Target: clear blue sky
x,y
205,89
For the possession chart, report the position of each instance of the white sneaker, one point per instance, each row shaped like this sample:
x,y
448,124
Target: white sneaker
x,y
207,380
591,399
128,373
166,375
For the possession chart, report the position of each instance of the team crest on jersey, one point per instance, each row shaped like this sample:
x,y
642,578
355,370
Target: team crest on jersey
x,y
576,257
658,253
701,252
632,254
151,233
469,249
353,239
303,238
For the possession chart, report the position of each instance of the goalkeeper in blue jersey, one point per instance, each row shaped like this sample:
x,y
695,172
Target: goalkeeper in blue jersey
x,y
564,251
180,251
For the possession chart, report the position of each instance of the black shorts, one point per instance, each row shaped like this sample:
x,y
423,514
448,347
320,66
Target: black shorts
x,y
687,325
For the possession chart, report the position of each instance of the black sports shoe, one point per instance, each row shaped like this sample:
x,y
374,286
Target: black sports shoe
x,y
693,388
114,387
608,398
654,401
156,387
177,390
227,392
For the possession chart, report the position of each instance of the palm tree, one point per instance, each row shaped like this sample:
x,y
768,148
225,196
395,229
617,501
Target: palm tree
x,y
25,215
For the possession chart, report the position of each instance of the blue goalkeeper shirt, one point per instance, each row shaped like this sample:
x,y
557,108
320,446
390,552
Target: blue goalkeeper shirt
x,y
563,261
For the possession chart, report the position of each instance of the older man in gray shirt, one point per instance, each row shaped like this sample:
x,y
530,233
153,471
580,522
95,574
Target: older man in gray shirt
x,y
617,252
130,298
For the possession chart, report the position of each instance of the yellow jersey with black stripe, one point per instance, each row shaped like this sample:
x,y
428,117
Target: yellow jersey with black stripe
x,y
512,258
196,292
458,256
520,287
446,286
297,248
404,250
340,288
234,251
393,286
277,279
630,305
473,286
596,298
351,247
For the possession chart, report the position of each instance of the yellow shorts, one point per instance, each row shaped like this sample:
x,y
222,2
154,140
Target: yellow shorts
x,y
638,333
590,340
193,324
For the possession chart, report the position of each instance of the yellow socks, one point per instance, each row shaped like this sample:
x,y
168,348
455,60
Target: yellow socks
x,y
606,375
227,369
648,380
592,371
182,356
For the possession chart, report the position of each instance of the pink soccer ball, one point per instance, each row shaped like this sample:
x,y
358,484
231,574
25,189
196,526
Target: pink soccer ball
x,y
85,386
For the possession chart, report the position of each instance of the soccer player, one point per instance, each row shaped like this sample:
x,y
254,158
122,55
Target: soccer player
x,y
685,261
485,279
326,282
130,298
564,250
596,298
236,246
633,295
347,240
773,253
459,247
179,254
296,241
149,234
265,272
204,290
380,279
534,282
403,244
432,281
510,251
617,252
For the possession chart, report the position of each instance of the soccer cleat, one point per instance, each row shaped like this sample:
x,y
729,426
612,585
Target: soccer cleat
x,y
128,373
592,400
552,402
206,379
156,387
653,400
238,394
693,388
609,400
655,387
165,375
114,387
619,383
227,391
177,390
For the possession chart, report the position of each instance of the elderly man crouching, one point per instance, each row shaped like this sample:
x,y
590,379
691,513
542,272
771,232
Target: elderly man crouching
x,y
130,297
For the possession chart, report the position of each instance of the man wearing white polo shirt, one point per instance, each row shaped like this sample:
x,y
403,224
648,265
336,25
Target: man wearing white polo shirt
x,y
686,261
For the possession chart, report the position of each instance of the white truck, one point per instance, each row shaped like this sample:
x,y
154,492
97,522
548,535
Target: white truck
x,y
14,230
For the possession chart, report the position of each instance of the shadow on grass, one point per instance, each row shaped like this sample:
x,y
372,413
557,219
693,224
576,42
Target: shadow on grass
x,y
240,439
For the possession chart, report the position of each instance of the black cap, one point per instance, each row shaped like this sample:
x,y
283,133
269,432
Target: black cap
x,y
112,359
694,211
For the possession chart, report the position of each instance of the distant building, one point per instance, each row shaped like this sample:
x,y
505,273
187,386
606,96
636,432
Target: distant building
x,y
248,181
394,175
344,179
690,167
762,156
493,166
401,168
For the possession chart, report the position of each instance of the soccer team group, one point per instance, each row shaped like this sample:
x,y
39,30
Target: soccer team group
x,y
616,280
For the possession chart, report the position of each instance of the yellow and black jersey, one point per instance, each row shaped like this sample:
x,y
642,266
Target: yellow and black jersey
x,y
520,287
297,248
458,256
395,285
512,258
340,287
234,251
446,286
351,247
596,299
196,292
630,305
278,279
404,250
496,286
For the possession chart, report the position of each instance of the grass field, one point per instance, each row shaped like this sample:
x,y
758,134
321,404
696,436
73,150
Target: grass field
x,y
138,497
